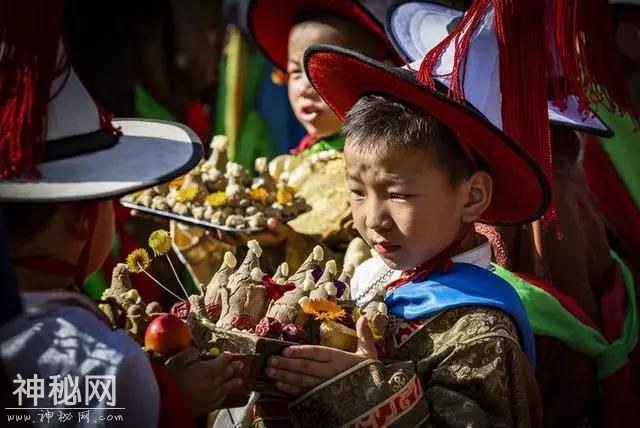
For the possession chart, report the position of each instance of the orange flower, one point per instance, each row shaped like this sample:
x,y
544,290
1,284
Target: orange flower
x,y
259,194
323,309
177,182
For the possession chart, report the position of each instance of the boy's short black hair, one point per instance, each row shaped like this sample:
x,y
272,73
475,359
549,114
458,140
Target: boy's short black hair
x,y
358,38
379,122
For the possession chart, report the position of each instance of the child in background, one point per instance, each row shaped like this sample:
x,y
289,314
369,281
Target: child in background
x,y
61,227
317,169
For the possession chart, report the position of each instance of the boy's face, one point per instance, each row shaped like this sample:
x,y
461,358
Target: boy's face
x,y
403,204
314,114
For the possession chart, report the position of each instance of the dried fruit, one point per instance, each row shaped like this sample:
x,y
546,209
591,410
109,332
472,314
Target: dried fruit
x,y
294,333
180,309
269,327
243,322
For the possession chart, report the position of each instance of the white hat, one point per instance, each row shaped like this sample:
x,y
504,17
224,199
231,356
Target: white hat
x,y
416,27
84,161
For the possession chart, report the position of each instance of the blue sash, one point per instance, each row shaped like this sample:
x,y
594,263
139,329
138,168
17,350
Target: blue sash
x,y
464,285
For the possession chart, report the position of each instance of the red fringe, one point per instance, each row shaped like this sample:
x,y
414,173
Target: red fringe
x,y
586,62
461,37
30,33
520,31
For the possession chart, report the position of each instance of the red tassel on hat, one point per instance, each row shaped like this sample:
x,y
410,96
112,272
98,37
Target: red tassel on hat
x,y
586,61
520,31
29,38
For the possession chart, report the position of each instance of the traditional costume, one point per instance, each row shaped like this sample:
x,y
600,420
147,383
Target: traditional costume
x,y
568,369
59,146
466,348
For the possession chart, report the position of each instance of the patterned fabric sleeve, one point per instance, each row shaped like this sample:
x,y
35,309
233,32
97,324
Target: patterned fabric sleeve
x,y
464,368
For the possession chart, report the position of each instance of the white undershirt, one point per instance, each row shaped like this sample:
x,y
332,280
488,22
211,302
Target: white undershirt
x,y
374,268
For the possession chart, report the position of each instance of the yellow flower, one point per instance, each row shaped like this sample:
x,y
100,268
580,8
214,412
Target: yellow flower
x,y
323,309
217,199
285,194
187,195
160,242
138,260
214,352
260,194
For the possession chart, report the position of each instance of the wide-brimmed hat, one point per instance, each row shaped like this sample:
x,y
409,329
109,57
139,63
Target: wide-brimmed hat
x,y
415,27
270,24
87,156
521,193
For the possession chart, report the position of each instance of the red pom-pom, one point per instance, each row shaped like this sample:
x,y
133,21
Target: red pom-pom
x,y
180,309
294,333
269,327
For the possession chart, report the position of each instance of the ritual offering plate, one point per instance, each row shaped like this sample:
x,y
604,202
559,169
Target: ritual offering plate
x,y
220,194
246,312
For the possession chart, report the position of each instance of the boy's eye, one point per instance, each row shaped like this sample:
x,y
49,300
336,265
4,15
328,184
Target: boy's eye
x,y
401,196
357,194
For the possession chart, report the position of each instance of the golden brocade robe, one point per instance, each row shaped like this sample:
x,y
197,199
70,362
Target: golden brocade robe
x,y
461,368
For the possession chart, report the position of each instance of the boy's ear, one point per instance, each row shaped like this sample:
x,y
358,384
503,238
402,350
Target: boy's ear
x,y
480,187
76,221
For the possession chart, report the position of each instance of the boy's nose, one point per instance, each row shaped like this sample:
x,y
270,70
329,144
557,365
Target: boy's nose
x,y
377,217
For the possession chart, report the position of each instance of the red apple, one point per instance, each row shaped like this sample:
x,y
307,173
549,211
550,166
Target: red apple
x,y
167,335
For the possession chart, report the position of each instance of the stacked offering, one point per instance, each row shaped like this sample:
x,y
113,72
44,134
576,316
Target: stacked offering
x,y
244,311
222,194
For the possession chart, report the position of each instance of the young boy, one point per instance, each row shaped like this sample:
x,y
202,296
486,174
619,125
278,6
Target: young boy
x,y
579,264
56,190
283,33
422,169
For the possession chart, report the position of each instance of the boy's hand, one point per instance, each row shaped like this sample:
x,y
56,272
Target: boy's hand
x,y
204,383
274,235
302,368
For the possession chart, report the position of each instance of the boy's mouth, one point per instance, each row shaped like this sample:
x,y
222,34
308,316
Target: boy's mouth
x,y
308,114
385,248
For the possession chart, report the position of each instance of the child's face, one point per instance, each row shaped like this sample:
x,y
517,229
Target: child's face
x,y
314,114
403,204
